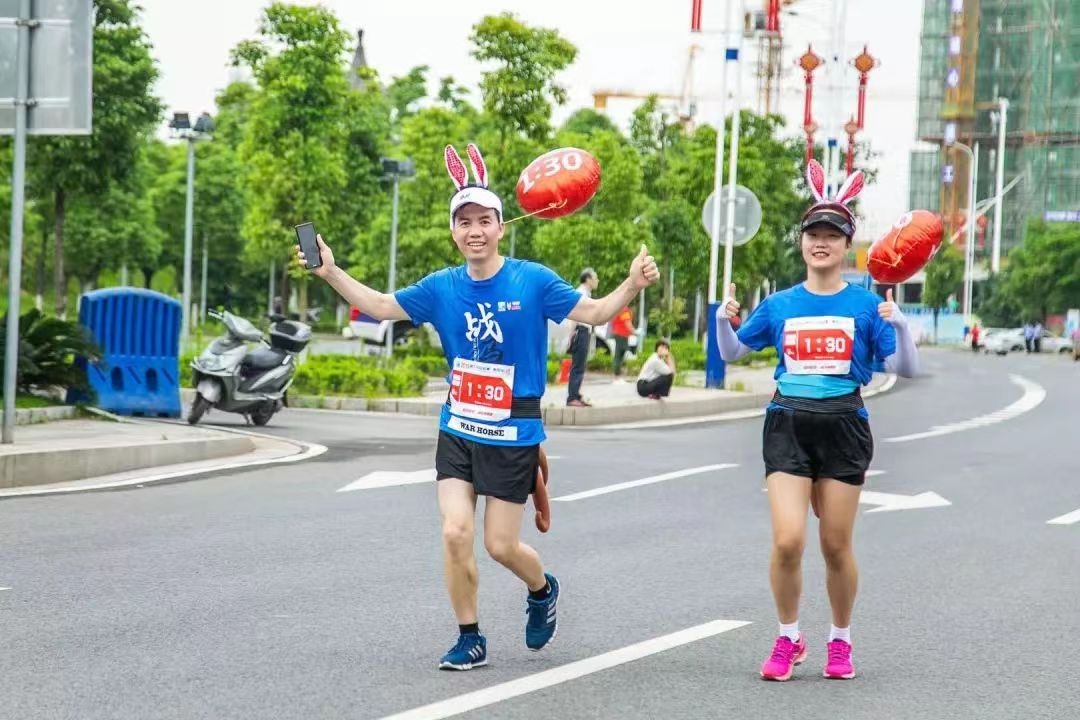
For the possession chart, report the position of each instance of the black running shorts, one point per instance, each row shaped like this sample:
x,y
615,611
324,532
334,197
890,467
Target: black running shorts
x,y
499,471
817,445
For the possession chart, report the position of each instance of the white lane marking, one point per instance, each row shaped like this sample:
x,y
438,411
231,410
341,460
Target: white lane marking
x,y
890,381
1033,395
644,481
890,502
2,589
393,478
390,478
1066,519
310,450
565,673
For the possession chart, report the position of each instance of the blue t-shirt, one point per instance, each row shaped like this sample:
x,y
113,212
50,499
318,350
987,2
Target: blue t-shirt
x,y
501,320
815,335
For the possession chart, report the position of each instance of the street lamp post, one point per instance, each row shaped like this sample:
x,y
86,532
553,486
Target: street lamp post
x,y
969,244
395,171
181,126
999,181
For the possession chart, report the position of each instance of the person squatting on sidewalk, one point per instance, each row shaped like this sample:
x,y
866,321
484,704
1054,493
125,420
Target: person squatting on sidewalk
x,y
657,373
491,314
817,443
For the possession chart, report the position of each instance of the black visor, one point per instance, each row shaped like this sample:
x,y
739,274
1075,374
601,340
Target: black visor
x,y
831,218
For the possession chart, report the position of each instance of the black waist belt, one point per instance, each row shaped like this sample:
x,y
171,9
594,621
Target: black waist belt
x,y
852,402
522,408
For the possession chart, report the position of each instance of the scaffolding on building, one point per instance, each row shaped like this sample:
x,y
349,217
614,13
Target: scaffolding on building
x,y
1028,52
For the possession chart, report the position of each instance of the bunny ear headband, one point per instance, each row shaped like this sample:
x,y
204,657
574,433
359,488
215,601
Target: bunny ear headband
x,y
833,211
476,193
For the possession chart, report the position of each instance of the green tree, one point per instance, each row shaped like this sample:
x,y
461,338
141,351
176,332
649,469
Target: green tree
x,y
520,92
769,166
944,278
301,150
404,92
63,170
1043,274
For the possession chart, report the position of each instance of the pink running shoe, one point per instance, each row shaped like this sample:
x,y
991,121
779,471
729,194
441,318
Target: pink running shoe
x,y
785,656
839,666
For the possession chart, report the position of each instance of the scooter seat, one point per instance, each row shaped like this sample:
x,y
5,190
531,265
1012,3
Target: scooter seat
x,y
262,359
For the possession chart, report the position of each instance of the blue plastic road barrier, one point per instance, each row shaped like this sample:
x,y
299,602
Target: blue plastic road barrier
x,y
138,332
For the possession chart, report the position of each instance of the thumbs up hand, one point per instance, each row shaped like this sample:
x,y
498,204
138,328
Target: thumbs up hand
x,y
730,307
889,310
643,270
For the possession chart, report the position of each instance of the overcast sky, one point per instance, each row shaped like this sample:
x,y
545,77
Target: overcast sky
x,y
642,46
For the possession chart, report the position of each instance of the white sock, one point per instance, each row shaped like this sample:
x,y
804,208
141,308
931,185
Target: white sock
x,y
792,631
844,634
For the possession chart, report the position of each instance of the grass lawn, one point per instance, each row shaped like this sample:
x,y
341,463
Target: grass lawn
x,y
33,401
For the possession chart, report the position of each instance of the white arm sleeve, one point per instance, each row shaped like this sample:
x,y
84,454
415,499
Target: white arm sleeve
x,y
731,349
905,361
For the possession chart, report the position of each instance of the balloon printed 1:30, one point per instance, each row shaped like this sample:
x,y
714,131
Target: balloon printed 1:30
x,y
549,166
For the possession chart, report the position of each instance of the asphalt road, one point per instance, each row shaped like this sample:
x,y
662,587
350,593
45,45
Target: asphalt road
x,y
268,593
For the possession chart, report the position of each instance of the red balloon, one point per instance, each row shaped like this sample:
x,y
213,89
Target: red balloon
x,y
906,248
558,183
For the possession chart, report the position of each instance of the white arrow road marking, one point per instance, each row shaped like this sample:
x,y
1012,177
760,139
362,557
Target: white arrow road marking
x,y
565,673
890,502
393,478
1033,395
1066,519
644,481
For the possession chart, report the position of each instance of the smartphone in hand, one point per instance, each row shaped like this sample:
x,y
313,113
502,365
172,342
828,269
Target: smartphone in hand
x,y
305,235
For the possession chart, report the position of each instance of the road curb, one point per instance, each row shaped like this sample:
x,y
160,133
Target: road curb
x,y
560,416
34,416
47,467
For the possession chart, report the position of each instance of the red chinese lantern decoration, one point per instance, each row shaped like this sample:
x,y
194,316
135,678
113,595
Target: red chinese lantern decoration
x,y
906,248
558,183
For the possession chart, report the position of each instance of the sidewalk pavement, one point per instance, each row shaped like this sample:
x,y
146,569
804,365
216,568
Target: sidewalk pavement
x,y
67,451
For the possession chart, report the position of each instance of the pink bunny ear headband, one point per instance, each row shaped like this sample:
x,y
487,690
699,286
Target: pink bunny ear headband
x,y
476,193
832,211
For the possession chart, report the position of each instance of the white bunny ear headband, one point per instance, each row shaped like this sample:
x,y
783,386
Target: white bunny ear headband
x,y
476,193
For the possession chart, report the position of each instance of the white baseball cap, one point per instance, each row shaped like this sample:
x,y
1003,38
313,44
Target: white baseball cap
x,y
478,196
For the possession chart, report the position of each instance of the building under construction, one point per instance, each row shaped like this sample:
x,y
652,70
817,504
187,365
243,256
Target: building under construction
x,y
974,52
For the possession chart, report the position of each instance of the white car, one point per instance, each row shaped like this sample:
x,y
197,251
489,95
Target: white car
x,y
370,331
1012,340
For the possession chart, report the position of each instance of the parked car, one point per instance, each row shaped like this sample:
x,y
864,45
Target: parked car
x,y
370,331
1003,342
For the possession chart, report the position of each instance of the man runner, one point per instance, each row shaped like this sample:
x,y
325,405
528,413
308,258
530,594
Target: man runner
x,y
491,315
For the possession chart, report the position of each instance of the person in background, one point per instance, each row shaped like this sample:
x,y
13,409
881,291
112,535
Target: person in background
x,y
975,332
622,327
580,340
1036,337
1029,336
658,373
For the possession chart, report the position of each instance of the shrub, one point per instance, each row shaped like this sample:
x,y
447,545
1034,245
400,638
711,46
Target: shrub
x,y
48,348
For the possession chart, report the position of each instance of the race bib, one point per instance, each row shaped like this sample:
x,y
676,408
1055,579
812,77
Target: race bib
x,y
819,345
481,391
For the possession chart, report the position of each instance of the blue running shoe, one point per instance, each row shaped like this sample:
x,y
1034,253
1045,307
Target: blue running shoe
x,y
542,621
469,651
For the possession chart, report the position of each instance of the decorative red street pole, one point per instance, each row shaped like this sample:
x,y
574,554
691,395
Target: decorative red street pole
x,y
851,127
809,62
864,63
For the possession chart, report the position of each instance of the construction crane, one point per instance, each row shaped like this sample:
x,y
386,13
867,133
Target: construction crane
x,y
687,101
